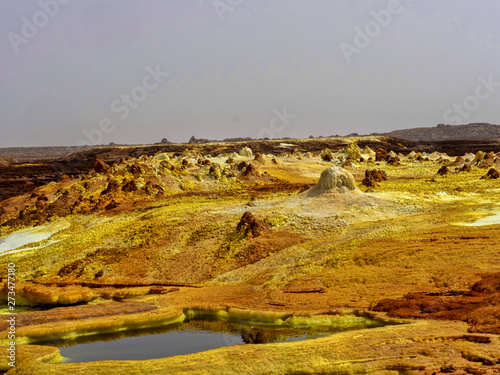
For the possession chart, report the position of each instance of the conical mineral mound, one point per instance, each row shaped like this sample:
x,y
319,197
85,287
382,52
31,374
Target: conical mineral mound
x,y
334,180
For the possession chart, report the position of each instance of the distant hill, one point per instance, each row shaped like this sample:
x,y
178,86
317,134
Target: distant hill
x,y
443,132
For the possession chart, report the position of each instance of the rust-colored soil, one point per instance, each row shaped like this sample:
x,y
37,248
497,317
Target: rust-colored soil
x,y
479,307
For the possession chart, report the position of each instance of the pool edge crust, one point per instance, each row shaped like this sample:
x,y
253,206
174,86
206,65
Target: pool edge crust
x,y
370,350
31,353
164,316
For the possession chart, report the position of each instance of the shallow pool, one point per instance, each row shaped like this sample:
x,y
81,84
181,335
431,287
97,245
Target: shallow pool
x,y
184,338
31,235
492,219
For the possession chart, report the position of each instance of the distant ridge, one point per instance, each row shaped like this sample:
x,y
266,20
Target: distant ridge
x,y
444,132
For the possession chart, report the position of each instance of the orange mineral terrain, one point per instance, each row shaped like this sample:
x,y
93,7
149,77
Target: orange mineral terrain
x,y
389,250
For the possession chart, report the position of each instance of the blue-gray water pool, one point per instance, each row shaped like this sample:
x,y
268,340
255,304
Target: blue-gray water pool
x,y
186,338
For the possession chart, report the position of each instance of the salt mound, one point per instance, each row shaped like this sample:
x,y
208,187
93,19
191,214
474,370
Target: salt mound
x,y
353,151
367,152
246,152
337,196
334,180
336,193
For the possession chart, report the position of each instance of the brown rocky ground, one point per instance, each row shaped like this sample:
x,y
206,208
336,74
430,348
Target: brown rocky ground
x,y
5,161
38,166
479,307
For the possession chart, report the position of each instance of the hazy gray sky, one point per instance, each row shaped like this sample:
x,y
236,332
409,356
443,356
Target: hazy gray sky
x,y
136,71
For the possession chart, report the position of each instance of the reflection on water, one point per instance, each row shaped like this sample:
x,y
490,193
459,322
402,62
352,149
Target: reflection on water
x,y
184,338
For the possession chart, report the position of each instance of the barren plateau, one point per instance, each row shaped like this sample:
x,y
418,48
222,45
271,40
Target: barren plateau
x,y
295,233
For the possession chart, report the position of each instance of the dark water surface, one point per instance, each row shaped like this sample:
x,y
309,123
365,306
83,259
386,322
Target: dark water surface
x,y
185,338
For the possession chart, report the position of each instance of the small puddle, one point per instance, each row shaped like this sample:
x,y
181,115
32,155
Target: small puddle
x,y
185,338
493,219
30,235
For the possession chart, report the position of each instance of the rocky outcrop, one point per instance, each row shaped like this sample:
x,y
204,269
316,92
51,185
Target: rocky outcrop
x,y
259,158
443,171
392,160
250,225
101,167
380,155
480,307
326,154
250,170
165,141
465,168
113,187
130,186
136,170
492,174
373,176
